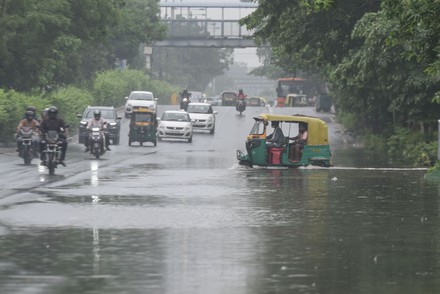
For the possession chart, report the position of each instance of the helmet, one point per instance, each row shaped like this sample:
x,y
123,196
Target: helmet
x,y
52,112
44,112
31,108
29,115
97,114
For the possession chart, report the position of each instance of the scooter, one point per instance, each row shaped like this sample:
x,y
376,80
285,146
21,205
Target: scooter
x,y
97,142
241,106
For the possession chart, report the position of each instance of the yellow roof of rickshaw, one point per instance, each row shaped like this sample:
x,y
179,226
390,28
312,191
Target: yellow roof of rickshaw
x,y
316,127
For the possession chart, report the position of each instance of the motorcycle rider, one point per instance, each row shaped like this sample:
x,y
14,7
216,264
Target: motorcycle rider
x,y
184,99
53,123
97,121
241,98
28,122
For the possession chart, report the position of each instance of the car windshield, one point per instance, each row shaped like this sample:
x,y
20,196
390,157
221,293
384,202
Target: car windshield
x,y
175,117
199,108
141,96
106,114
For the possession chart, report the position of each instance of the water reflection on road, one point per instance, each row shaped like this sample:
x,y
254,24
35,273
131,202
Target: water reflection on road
x,y
185,218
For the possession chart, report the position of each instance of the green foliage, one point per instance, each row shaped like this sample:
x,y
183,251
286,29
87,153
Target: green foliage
x,y
70,101
51,43
139,23
191,68
411,147
110,87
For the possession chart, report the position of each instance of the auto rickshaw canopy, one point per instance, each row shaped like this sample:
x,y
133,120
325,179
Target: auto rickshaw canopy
x,y
317,129
143,116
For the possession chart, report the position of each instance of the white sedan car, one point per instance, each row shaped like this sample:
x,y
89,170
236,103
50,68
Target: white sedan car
x,y
202,116
175,124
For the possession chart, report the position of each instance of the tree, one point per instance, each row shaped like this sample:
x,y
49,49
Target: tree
x,y
46,43
308,35
139,24
191,68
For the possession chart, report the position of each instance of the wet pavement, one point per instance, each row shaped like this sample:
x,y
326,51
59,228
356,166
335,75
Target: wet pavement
x,y
186,218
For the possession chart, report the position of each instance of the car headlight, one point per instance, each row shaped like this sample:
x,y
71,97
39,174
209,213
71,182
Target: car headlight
x,y
187,128
128,105
161,126
112,124
83,123
210,119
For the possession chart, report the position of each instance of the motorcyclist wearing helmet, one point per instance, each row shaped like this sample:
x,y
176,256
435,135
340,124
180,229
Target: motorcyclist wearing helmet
x,y
53,123
184,99
28,122
33,109
185,94
97,121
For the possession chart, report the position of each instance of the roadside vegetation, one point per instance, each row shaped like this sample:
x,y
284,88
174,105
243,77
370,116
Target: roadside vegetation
x,y
67,53
380,61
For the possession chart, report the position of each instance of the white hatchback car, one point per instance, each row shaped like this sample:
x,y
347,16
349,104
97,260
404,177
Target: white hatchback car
x,y
140,99
202,116
175,124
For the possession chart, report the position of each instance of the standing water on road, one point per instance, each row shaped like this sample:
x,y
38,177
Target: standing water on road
x,y
186,218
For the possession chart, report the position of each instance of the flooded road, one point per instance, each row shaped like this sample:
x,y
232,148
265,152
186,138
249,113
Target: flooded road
x,y
186,218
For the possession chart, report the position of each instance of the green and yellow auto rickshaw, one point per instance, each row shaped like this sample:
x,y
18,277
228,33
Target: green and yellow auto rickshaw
x,y
315,151
143,126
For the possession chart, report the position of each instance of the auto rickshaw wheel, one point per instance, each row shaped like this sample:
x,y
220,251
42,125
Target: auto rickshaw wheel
x,y
129,141
155,142
141,143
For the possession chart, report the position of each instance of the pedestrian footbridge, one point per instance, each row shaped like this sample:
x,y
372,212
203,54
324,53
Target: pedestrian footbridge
x,y
205,24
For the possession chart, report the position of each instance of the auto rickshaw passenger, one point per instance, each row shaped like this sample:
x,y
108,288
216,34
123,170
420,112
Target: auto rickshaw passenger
x,y
276,139
298,142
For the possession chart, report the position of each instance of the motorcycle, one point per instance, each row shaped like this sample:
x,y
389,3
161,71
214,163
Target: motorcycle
x,y
97,142
26,148
184,103
241,106
52,151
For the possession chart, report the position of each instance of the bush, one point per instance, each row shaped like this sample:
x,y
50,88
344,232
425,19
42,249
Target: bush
x,y
112,86
70,101
411,147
